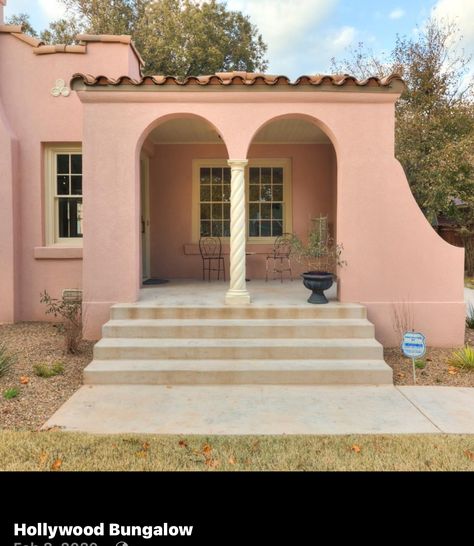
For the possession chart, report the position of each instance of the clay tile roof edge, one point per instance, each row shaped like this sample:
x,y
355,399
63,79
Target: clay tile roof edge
x,y
112,38
226,79
10,28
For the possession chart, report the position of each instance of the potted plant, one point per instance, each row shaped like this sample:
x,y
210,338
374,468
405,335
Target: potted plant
x,y
321,256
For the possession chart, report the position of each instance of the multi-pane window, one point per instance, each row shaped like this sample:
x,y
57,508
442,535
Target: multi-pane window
x,y
68,195
266,202
268,199
214,202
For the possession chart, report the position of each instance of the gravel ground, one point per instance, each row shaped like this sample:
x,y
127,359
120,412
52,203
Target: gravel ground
x,y
42,343
38,343
437,371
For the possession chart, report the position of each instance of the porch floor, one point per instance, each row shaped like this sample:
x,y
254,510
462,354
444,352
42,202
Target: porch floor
x,y
185,292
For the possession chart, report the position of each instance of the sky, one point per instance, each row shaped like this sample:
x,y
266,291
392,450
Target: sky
x,y
303,35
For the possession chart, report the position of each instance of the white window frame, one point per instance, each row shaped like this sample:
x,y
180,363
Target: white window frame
x,y
51,223
284,163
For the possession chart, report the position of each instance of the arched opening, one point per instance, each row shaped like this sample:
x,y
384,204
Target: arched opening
x,y
292,178
185,193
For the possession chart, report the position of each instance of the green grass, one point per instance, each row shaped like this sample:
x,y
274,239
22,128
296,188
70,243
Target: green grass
x,y
43,370
21,450
470,316
463,358
469,282
6,360
10,393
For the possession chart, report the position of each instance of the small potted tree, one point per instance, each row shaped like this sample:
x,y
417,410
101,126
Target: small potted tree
x,y
321,256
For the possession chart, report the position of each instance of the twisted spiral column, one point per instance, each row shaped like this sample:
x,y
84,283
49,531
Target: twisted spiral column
x,y
237,292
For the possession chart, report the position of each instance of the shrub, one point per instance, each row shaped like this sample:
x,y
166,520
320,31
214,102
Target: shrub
x,y
463,358
10,393
71,311
320,252
43,370
6,360
470,316
420,364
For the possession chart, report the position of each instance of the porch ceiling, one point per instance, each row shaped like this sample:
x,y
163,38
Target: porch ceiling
x,y
193,130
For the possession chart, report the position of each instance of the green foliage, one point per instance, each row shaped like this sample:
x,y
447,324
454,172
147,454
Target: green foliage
x,y
420,364
62,31
70,310
434,121
176,37
6,360
320,252
10,393
470,316
43,370
22,19
463,358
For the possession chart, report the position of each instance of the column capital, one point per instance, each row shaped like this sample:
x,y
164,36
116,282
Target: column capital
x,y
237,163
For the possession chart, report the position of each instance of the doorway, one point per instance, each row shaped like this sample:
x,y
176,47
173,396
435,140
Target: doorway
x,y
145,216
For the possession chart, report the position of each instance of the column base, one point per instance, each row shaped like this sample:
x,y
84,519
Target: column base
x,y
237,297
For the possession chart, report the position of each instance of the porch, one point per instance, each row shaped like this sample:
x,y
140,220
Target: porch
x,y
194,293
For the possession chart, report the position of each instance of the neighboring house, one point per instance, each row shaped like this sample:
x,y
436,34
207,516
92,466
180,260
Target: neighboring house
x,y
106,180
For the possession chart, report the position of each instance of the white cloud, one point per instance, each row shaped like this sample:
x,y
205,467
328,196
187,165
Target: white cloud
x,y
397,13
52,9
343,38
282,22
294,31
462,13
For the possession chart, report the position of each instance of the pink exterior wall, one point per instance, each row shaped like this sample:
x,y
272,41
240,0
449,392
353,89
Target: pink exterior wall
x,y
393,253
30,117
173,254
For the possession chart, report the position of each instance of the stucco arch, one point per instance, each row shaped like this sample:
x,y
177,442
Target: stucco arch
x,y
172,116
296,115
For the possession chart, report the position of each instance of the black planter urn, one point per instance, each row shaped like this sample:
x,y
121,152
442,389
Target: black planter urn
x,y
317,282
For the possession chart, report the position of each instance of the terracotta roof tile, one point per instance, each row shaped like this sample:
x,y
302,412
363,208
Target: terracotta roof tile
x,y
40,48
112,38
240,78
59,48
10,28
27,39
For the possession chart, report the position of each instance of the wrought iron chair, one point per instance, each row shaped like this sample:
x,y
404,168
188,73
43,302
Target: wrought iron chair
x,y
280,257
212,258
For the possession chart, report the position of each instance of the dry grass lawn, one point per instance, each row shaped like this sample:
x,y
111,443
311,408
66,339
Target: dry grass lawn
x,y
61,451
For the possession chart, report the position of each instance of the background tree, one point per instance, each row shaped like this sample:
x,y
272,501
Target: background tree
x,y
22,19
434,121
177,37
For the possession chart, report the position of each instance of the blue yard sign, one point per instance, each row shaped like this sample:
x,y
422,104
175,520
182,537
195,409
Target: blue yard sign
x,y
413,344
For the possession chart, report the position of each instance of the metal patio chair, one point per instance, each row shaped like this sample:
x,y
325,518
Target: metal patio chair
x,y
280,257
212,258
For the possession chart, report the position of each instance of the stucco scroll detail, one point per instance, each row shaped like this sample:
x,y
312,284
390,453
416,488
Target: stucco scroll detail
x,y
60,89
237,293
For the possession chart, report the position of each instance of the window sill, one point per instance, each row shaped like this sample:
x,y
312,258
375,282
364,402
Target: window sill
x,y
57,253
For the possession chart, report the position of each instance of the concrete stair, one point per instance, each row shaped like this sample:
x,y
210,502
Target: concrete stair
x,y
293,345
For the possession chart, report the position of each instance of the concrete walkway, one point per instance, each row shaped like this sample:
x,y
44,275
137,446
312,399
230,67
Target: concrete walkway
x,y
267,409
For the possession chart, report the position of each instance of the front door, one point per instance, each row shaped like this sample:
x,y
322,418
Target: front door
x,y
145,217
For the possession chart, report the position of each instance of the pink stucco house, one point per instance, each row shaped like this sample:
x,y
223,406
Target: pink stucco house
x,y
108,179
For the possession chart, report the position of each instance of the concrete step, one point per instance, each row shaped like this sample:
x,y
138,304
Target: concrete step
x,y
238,372
216,349
333,310
238,328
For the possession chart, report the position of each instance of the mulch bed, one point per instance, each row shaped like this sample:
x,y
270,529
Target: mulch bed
x,y
38,343
437,371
